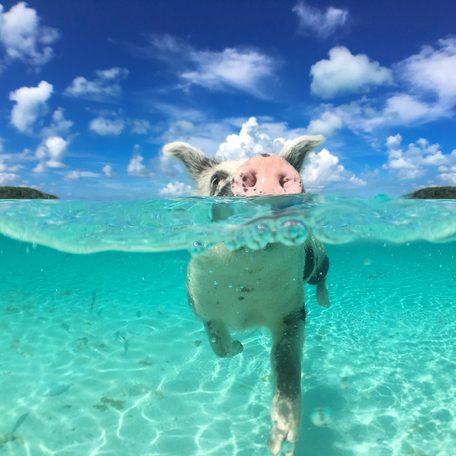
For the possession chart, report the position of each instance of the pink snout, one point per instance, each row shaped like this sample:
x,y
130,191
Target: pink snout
x,y
269,175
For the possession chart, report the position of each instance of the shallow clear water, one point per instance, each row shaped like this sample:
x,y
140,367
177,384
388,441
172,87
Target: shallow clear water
x,y
103,354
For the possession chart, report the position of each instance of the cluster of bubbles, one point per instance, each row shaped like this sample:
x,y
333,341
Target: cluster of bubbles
x,y
199,224
257,235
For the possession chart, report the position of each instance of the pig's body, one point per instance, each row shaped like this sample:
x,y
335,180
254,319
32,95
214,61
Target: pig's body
x,y
247,288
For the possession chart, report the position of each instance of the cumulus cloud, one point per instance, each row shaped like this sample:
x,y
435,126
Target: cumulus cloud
x,y
107,127
238,69
426,92
323,170
7,178
7,174
136,166
327,124
77,174
105,85
448,174
59,124
318,22
51,153
175,188
345,73
30,105
418,160
243,69
251,140
23,37
404,109
108,171
432,70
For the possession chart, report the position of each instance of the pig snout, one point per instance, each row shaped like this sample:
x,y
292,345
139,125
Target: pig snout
x,y
266,175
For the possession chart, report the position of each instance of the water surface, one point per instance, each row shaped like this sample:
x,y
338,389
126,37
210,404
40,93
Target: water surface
x,y
101,354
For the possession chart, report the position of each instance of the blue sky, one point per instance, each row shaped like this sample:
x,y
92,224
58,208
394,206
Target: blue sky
x,y
91,91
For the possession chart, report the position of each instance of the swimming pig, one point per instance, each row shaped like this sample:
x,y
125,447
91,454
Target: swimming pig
x,y
246,288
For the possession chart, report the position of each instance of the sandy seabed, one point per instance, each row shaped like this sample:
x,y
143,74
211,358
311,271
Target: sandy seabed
x,y
102,356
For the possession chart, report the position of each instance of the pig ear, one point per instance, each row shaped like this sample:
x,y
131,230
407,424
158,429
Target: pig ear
x,y
193,159
296,151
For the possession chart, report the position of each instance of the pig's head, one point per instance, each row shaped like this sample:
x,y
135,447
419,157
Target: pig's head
x,y
264,174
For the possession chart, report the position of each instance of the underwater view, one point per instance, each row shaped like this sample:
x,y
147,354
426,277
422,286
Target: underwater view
x,y
102,355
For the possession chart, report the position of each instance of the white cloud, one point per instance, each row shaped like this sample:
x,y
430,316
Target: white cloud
x,y
418,159
51,153
323,170
7,175
108,171
176,188
107,127
366,115
23,37
203,134
251,140
140,126
231,68
403,109
433,70
243,69
427,92
30,105
345,73
327,124
136,166
7,178
77,174
448,175
59,124
105,86
393,142
314,21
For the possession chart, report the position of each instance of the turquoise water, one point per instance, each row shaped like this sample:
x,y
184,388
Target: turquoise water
x,y
101,355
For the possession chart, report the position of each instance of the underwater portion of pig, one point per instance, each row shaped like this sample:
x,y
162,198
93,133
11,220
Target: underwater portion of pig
x,y
233,290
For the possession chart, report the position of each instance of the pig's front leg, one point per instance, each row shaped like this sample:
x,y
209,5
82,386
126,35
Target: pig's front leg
x,y
322,293
286,363
221,341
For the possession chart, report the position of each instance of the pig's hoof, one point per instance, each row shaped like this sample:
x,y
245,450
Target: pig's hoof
x,y
322,296
279,444
284,426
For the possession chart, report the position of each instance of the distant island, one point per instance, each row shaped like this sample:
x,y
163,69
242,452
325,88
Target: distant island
x,y
23,193
434,193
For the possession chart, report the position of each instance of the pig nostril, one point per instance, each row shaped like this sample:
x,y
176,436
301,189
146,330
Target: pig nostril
x,y
283,180
249,179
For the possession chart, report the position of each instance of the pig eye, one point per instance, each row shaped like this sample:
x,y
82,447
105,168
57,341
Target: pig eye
x,y
216,178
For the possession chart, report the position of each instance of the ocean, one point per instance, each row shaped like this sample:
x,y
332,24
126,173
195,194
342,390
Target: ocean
x,y
102,355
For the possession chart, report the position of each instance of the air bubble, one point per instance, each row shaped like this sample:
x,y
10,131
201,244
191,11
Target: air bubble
x,y
235,242
321,416
197,248
259,236
292,232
